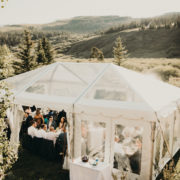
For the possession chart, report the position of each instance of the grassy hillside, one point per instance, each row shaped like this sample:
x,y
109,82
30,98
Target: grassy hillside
x,y
86,24
155,37
151,43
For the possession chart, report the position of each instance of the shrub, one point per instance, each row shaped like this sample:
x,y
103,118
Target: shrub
x,y
165,72
97,53
7,153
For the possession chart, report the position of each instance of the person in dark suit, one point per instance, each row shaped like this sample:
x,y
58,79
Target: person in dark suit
x,y
26,123
61,146
60,115
51,122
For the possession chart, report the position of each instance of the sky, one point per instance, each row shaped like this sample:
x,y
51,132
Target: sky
x,y
44,11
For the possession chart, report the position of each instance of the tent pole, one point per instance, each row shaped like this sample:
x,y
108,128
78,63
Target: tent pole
x,y
73,131
153,129
163,136
172,147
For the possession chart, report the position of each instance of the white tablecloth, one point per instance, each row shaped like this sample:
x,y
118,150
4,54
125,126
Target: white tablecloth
x,y
85,171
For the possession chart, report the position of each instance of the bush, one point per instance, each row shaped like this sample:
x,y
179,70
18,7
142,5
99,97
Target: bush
x,y
8,154
165,72
97,53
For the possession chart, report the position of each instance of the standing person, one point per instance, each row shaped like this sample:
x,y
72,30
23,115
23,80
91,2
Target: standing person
x,y
38,115
28,119
60,115
61,145
51,122
62,122
26,122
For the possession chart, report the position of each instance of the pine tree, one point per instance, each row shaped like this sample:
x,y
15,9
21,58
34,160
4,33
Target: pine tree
x,y
49,54
119,52
100,56
97,53
94,52
27,60
41,58
6,69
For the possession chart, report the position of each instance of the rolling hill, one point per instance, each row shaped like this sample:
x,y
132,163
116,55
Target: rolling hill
x,y
140,44
87,24
81,24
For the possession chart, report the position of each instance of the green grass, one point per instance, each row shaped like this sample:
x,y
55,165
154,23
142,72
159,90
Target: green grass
x,y
32,167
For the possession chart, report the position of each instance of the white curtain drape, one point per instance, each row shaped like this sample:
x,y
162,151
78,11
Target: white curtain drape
x,y
15,116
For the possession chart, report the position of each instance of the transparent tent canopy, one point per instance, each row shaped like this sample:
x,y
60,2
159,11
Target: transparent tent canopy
x,y
112,86
16,83
65,80
79,82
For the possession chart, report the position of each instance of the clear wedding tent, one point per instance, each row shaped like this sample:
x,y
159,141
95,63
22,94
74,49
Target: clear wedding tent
x,y
124,118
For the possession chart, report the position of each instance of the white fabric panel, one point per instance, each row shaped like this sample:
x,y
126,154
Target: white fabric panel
x,y
17,120
95,137
146,144
67,157
91,119
10,117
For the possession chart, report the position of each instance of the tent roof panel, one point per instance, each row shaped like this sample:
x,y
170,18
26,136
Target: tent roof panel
x,y
156,93
16,83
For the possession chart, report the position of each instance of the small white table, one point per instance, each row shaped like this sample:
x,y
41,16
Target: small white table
x,y
84,171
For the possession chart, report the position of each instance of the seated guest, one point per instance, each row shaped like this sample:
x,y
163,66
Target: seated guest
x,y
52,135
41,133
51,122
39,122
32,131
38,115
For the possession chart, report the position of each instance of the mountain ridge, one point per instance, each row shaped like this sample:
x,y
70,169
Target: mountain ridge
x,y
85,24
